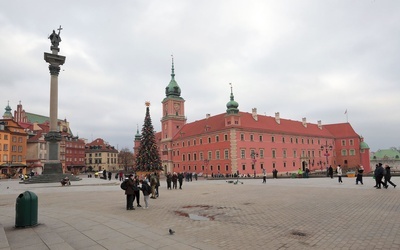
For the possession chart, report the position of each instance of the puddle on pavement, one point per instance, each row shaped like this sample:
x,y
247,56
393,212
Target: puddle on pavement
x,y
197,217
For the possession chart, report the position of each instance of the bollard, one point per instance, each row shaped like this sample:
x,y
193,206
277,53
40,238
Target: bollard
x,y
26,210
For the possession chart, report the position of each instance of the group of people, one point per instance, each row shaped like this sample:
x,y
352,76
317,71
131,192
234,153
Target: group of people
x,y
148,185
381,173
174,179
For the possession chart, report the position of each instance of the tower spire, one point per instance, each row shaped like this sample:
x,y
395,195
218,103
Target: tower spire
x,y
232,105
172,69
173,90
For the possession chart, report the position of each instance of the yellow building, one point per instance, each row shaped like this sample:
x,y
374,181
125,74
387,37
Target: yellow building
x,y
13,143
99,155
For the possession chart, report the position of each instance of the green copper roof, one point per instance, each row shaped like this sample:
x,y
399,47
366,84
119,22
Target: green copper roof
x,y
34,118
386,154
232,105
7,114
138,136
173,89
364,145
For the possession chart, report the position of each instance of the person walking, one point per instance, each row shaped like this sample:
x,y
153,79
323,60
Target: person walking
x,y
274,173
264,175
379,173
104,174
137,191
339,173
359,178
330,171
169,180
146,189
153,183
130,193
174,181
388,176
158,183
109,175
180,179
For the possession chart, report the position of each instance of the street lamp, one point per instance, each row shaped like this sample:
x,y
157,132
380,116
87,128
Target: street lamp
x,y
206,161
327,148
253,161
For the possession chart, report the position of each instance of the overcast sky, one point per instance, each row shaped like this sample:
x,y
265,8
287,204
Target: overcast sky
x,y
313,59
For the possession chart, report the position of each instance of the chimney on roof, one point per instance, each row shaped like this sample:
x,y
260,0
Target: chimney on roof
x,y
319,124
254,113
277,118
208,116
304,120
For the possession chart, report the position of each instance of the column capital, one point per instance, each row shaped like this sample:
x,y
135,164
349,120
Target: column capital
x,y
54,70
53,136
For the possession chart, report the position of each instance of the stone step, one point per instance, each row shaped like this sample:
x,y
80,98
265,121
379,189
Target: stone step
x,y
3,239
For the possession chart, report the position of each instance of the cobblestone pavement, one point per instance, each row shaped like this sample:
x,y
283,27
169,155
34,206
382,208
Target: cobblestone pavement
x,y
281,214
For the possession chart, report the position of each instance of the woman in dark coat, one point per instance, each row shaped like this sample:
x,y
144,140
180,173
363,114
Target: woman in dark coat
x,y
169,180
130,193
174,180
388,176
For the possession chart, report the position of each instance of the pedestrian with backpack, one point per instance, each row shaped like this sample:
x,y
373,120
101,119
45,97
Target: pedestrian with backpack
x,y
130,192
146,189
153,183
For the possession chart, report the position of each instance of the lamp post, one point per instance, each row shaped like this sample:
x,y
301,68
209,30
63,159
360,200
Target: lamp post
x,y
326,148
253,161
206,161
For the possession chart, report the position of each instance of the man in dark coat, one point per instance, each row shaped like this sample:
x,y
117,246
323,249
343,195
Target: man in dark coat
x,y
174,180
330,172
137,191
379,176
169,180
130,193
388,176
180,179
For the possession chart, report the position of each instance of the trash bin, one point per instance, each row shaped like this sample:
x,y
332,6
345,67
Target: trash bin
x,y
26,209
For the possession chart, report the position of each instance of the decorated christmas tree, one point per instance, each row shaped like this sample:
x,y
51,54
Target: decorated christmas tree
x,y
148,157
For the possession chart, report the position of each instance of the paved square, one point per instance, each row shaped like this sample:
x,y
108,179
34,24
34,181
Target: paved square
x,y
281,214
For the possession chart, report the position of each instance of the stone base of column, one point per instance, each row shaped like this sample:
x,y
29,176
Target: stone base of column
x,y
52,168
52,173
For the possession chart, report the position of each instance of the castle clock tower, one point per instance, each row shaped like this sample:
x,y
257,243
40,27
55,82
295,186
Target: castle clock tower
x,y
173,119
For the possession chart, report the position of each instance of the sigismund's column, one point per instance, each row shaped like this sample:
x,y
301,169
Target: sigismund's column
x,y
53,137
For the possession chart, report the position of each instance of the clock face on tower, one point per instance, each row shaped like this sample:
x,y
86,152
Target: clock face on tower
x,y
177,106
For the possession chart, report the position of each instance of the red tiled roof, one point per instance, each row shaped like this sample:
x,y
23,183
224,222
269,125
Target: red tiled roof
x,y
36,137
341,130
263,124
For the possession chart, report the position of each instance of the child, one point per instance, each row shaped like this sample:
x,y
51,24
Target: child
x,y
146,189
